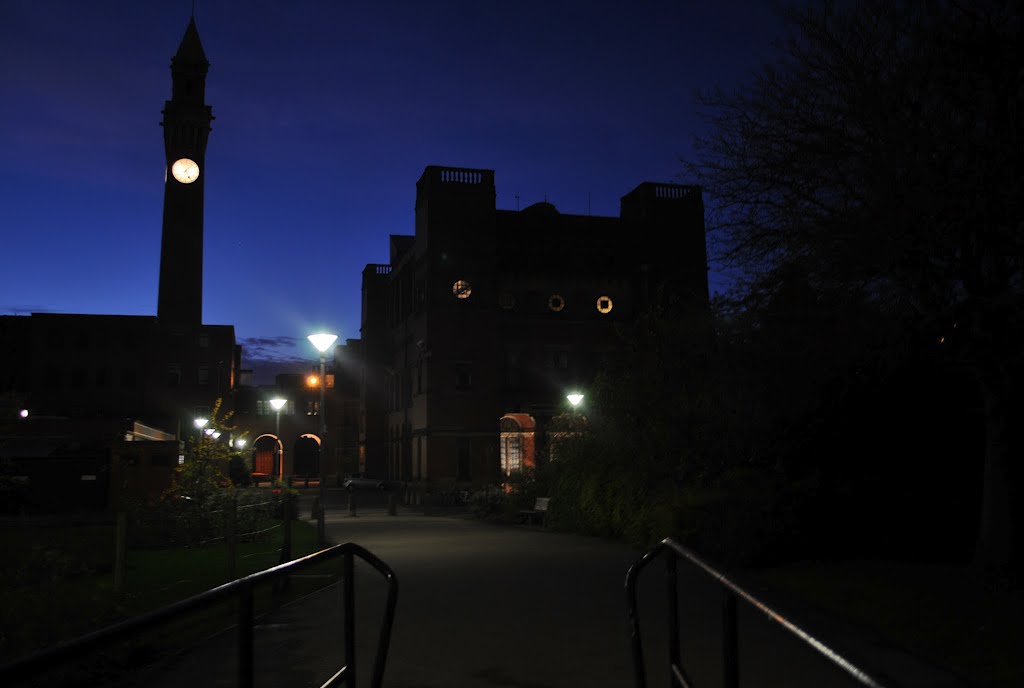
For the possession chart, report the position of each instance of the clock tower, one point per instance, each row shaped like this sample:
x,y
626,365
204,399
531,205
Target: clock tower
x,y
186,126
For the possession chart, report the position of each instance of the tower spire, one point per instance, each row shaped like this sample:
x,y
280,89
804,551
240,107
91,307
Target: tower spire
x,y
186,126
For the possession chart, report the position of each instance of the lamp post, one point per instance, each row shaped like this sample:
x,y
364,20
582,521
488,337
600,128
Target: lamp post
x,y
277,404
322,341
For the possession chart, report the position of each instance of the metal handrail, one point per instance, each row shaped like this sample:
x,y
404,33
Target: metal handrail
x,y
242,588
730,646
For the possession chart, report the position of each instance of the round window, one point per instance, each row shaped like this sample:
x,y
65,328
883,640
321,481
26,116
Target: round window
x,y
604,304
556,302
461,289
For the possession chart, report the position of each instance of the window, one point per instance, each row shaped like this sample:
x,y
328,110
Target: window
x,y
507,301
604,304
203,376
512,367
561,359
463,375
511,453
261,407
204,340
462,289
102,376
556,303
173,375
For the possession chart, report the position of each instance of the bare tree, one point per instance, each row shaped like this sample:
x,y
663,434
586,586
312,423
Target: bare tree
x,y
880,154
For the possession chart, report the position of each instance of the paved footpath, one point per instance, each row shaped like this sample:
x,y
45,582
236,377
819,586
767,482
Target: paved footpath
x,y
496,606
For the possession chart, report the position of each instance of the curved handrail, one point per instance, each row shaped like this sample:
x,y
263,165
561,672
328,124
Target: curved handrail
x,y
243,588
670,545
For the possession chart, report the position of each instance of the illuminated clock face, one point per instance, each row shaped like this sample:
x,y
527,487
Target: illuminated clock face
x,y
185,171
462,289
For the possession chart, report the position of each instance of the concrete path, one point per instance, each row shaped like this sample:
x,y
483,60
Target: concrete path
x,y
492,606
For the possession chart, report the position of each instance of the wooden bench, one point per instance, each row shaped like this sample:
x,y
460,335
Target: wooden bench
x,y
536,514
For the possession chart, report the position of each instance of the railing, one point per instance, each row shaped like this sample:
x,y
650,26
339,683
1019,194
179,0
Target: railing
x,y
730,645
242,589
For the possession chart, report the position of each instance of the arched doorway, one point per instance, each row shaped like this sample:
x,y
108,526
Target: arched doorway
x,y
517,449
266,459
307,458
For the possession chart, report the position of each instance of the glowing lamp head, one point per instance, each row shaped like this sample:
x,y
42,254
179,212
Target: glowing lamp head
x,y
23,413
201,422
574,398
322,341
240,443
313,381
278,404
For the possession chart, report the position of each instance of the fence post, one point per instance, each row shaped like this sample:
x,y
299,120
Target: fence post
x,y
392,510
120,553
730,650
352,503
231,537
245,636
286,546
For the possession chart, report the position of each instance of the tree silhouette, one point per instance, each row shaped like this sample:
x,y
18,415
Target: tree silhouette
x,y
879,156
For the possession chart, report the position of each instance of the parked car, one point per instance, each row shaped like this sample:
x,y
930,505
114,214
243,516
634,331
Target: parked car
x,y
362,481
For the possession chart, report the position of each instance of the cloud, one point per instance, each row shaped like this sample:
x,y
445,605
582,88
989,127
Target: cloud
x,y
266,357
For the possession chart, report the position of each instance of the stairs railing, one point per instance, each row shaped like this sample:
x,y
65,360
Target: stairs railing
x,y
242,590
732,594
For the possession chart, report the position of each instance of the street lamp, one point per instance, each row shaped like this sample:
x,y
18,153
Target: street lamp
x,y
200,424
322,341
277,404
575,398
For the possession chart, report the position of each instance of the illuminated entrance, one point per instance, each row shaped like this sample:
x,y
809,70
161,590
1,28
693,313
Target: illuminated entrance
x,y
518,443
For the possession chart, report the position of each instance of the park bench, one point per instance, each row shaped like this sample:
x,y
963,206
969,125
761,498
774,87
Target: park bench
x,y
536,514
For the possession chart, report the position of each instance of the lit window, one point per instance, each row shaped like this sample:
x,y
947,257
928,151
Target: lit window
x,y
511,453
462,289
604,304
556,302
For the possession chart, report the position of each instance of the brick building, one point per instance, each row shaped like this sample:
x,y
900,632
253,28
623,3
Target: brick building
x,y
483,320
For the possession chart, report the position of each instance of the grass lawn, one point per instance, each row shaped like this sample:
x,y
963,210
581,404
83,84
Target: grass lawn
x,y
58,582
940,613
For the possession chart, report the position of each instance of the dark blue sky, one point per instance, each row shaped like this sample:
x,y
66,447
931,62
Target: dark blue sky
x,y
326,114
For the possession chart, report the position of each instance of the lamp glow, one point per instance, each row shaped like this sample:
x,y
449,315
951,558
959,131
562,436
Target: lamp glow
x,y
278,404
574,398
322,341
201,422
